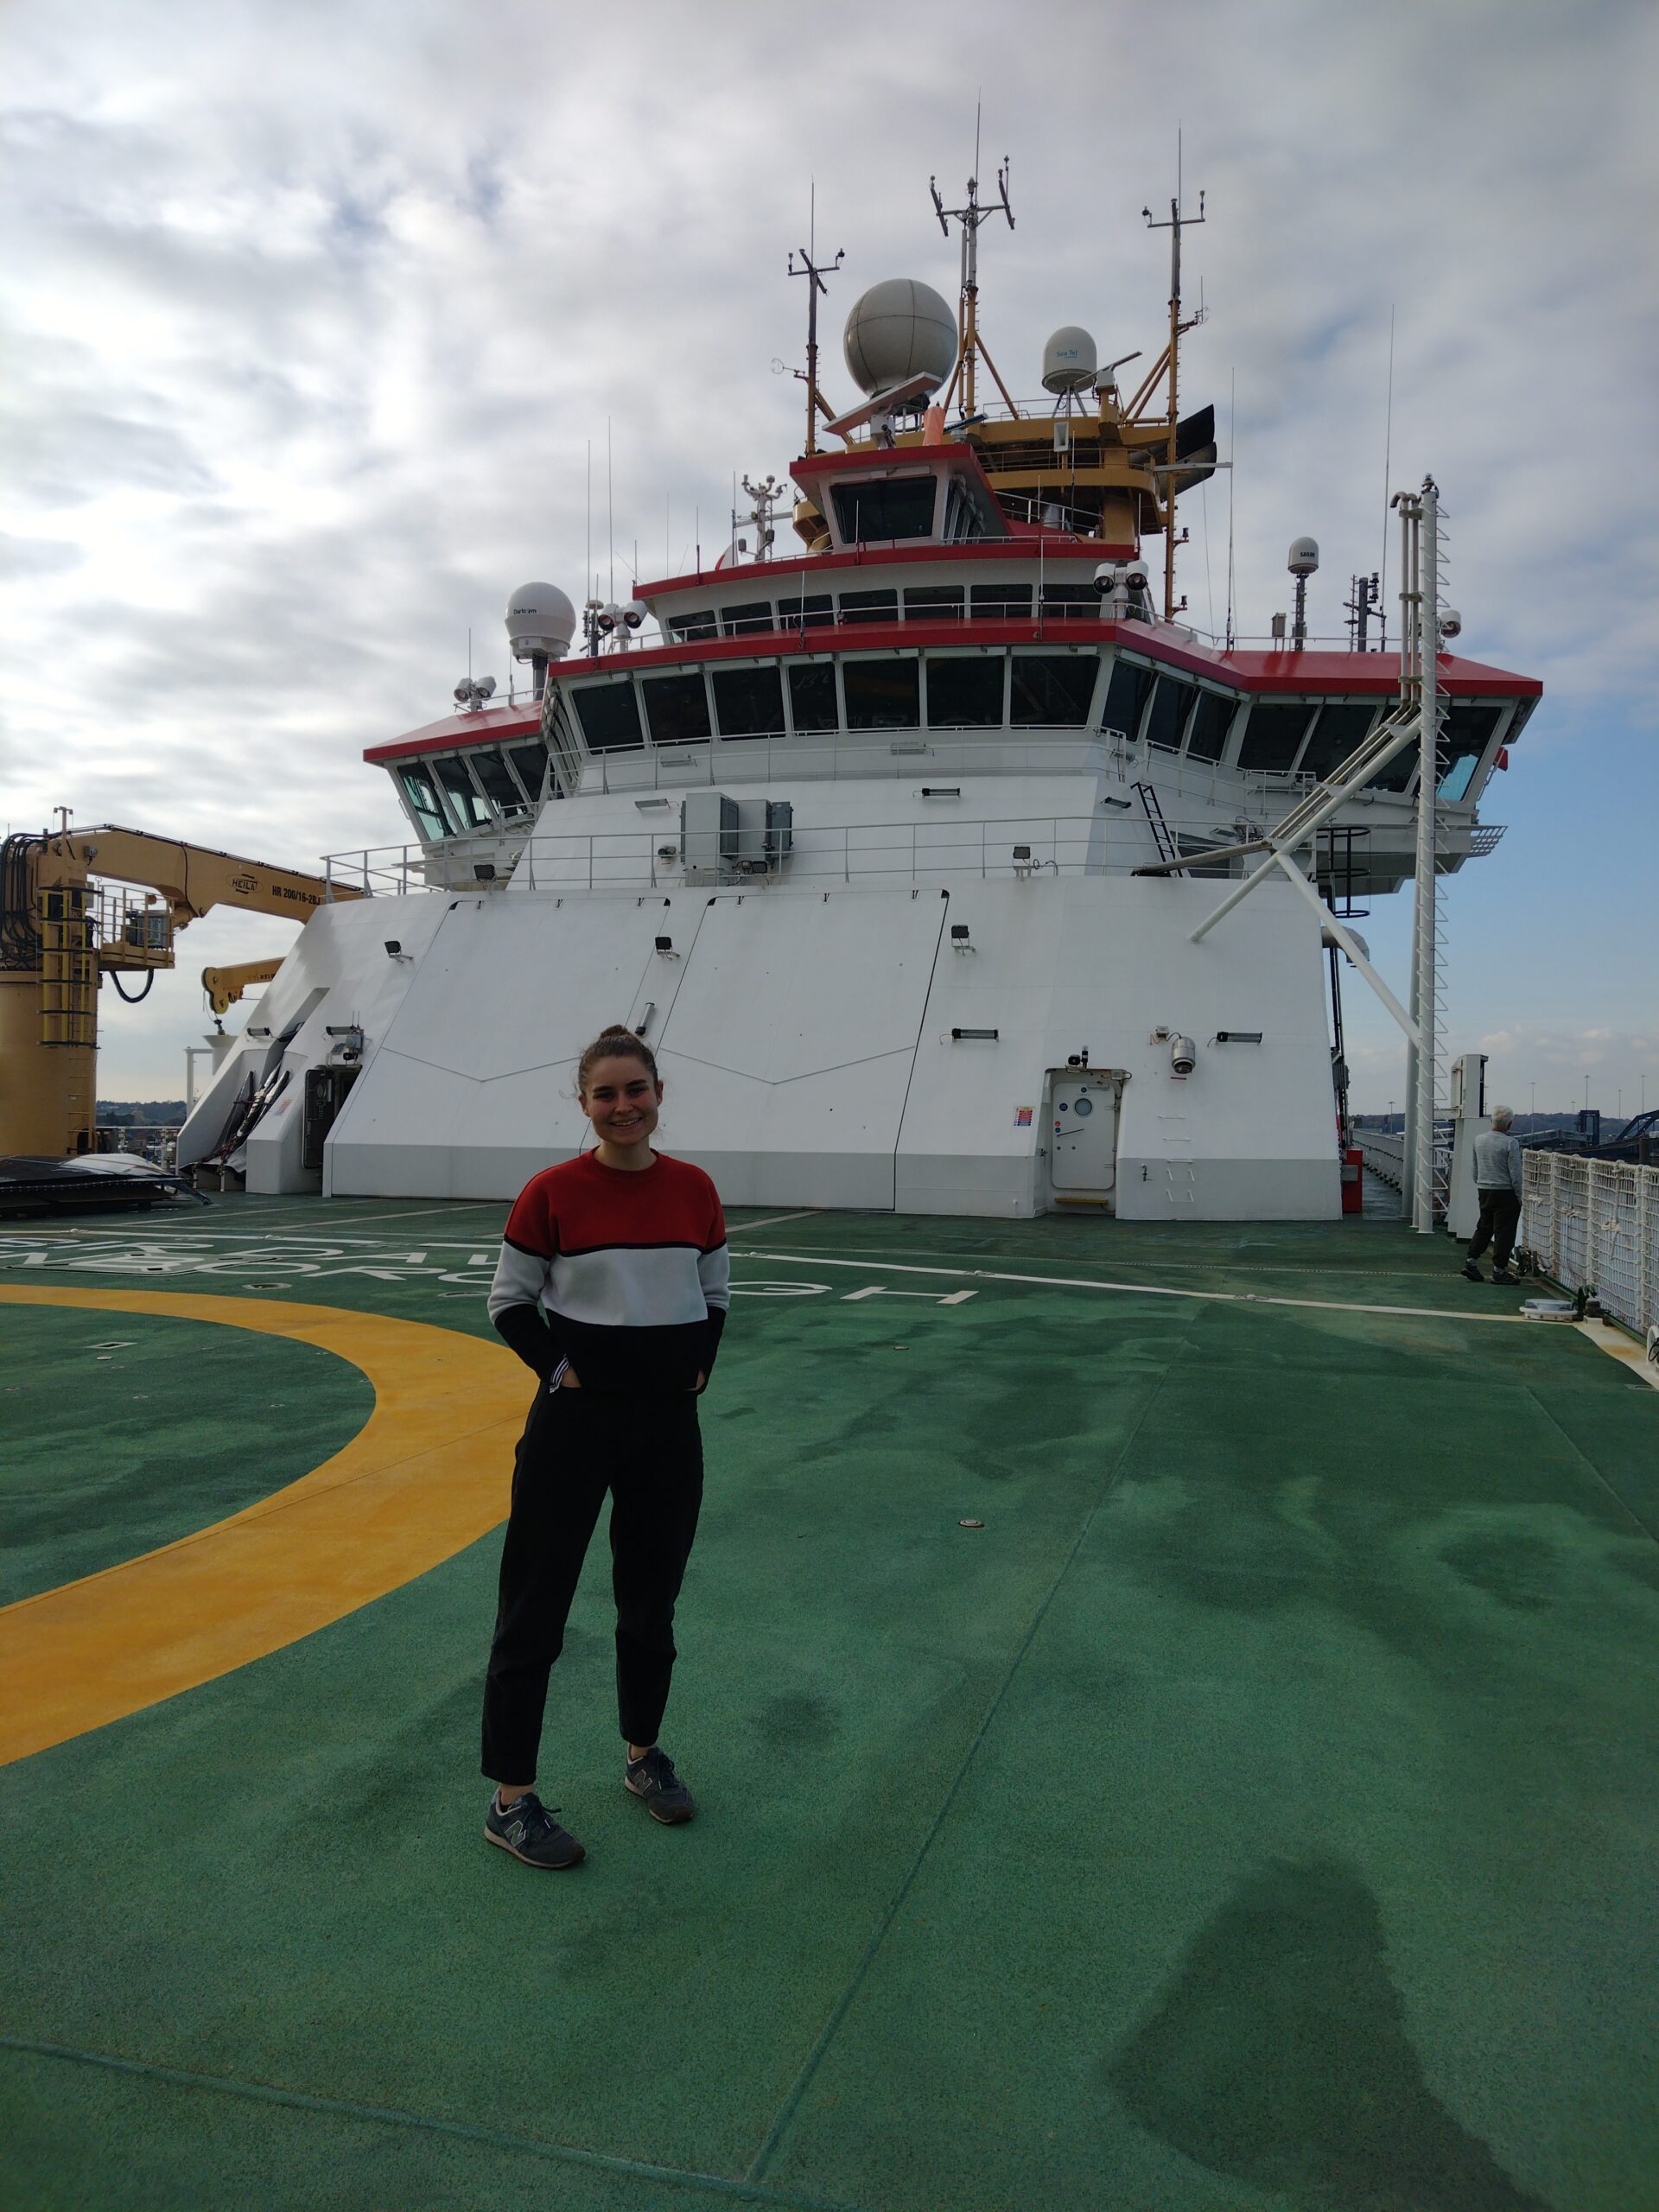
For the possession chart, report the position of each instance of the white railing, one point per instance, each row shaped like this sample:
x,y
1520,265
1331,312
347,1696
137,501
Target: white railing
x,y
1593,1224
1383,1152
458,864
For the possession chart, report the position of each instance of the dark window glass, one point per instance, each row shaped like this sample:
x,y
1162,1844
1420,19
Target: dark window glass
x,y
1050,690
813,697
1126,697
694,626
1272,736
999,602
741,621
609,714
964,692
748,701
807,614
873,513
530,761
1071,603
934,603
1167,719
1210,725
677,706
1465,730
869,607
1338,731
496,777
881,694
423,798
467,808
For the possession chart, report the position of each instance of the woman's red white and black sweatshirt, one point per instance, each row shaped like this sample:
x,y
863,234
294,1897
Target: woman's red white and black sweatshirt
x,y
622,1274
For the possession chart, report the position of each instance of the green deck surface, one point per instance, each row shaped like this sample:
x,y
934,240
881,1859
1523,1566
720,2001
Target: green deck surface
x,y
1257,1815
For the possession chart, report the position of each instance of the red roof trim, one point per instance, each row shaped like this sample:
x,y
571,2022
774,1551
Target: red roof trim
x,y
1051,546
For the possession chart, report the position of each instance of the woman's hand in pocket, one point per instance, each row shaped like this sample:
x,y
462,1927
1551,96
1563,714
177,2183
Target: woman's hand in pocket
x,y
569,1380
700,1385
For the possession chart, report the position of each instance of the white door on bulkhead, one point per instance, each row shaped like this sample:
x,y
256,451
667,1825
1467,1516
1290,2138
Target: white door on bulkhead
x,y
1083,1133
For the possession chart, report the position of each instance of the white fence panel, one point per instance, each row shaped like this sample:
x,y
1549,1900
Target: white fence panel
x,y
1595,1224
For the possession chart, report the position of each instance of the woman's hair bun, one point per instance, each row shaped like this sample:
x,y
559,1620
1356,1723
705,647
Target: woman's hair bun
x,y
616,1029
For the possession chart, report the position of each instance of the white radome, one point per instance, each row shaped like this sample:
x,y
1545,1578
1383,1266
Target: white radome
x,y
1068,361
540,619
1303,559
899,329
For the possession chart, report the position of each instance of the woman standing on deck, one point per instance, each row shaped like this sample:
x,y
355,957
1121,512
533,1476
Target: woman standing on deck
x,y
612,1285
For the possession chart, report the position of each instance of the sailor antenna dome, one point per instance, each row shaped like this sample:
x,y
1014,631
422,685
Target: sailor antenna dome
x,y
541,622
1303,561
1069,361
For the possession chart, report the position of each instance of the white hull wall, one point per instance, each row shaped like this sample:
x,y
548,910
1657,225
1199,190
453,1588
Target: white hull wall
x,y
804,1038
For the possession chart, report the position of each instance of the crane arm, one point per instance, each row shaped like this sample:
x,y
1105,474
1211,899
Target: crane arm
x,y
193,878
224,985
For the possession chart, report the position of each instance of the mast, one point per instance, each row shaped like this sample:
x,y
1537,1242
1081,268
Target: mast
x,y
970,344
815,276
1176,326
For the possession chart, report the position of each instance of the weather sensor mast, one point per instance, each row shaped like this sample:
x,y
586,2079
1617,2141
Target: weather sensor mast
x,y
815,274
970,345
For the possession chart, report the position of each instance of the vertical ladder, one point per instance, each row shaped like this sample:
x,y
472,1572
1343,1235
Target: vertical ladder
x,y
68,968
1168,849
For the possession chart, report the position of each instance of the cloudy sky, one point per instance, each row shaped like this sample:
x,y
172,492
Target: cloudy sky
x,y
312,313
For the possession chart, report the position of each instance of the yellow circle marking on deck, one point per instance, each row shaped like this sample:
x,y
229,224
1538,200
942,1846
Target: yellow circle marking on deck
x,y
428,1473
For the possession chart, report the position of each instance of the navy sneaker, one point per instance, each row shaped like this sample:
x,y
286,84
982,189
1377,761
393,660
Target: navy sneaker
x,y
665,1796
529,1832
1472,1272
1502,1275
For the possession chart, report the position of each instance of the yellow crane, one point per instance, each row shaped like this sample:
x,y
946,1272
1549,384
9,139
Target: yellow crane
x,y
64,923
224,985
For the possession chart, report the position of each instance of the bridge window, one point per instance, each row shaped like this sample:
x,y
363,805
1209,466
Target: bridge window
x,y
813,697
677,706
1273,735
530,761
1171,704
902,507
743,621
869,607
1071,603
748,701
1465,733
964,691
497,779
1339,728
1001,602
1126,696
1212,720
686,628
422,795
810,613
471,811
934,603
609,714
1050,690
882,694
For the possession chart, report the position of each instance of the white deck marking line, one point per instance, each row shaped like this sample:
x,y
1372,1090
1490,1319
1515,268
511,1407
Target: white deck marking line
x,y
1141,1290
1625,1350
772,1220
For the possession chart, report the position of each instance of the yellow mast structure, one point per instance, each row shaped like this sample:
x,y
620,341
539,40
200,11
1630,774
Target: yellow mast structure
x,y
970,345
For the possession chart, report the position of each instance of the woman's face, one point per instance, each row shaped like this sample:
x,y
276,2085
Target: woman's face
x,y
621,1101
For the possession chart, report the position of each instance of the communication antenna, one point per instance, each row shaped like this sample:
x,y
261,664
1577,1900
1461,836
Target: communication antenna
x,y
815,275
970,346
1177,222
1387,464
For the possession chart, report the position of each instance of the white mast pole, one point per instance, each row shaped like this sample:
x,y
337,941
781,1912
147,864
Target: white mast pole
x,y
1409,690
1428,646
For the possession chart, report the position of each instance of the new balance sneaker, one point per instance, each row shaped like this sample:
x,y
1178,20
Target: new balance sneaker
x,y
653,1780
529,1831
1472,1272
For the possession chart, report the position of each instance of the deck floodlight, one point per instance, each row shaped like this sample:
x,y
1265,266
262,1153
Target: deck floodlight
x,y
664,944
484,871
1022,852
959,932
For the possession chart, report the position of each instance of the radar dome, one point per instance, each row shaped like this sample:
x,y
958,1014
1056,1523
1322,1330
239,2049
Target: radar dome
x,y
540,619
1068,361
898,329
1304,556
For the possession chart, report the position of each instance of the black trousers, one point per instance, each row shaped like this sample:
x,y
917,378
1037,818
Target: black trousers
x,y
1500,1216
647,1452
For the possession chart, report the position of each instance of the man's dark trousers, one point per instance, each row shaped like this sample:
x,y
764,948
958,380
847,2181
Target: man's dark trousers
x,y
1500,1216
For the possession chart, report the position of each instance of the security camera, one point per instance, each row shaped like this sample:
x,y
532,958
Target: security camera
x,y
1183,1055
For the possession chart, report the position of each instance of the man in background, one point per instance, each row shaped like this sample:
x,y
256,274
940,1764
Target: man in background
x,y
1497,1181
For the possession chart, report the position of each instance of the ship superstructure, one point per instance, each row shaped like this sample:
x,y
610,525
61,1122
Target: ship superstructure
x,y
897,842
